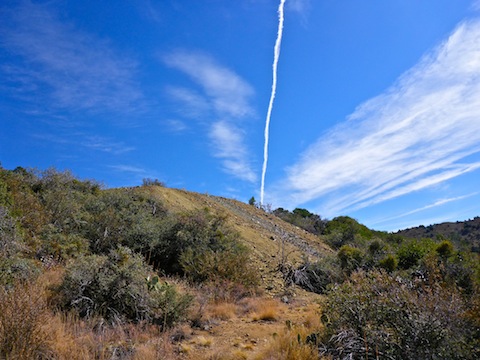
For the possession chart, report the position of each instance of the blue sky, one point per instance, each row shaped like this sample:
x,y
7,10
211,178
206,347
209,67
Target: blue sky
x,y
376,113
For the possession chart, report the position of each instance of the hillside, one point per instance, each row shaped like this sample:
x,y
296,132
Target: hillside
x,y
465,234
269,237
151,272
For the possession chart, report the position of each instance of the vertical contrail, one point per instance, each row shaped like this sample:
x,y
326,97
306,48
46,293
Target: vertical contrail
x,y
276,54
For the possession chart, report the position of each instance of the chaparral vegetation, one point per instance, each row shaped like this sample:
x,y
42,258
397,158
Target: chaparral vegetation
x,y
151,272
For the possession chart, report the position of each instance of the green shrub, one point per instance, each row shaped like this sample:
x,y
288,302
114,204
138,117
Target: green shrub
x,y
444,249
389,263
62,245
375,315
10,241
229,263
212,251
115,287
128,217
17,269
173,306
350,258
302,218
409,254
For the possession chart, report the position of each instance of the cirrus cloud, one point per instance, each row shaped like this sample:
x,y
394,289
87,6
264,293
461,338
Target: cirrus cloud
x,y
223,99
421,132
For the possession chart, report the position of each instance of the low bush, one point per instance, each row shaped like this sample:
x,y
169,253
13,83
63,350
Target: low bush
x,y
375,315
115,287
389,263
14,269
211,251
319,275
350,257
410,253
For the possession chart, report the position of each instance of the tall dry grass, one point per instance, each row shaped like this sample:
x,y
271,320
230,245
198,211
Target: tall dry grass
x,y
290,344
30,330
23,315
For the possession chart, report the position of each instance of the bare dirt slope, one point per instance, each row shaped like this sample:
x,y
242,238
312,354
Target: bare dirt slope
x,y
272,240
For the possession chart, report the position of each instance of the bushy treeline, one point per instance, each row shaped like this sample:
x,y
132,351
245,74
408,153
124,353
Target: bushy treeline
x,y
303,219
389,297
112,242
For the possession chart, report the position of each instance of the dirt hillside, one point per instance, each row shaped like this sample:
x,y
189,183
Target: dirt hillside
x,y
272,240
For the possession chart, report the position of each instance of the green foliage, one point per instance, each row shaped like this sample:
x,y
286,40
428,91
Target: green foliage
x,y
389,263
173,306
409,254
62,245
252,201
229,263
5,196
21,201
13,266
302,212
10,241
444,249
350,258
130,217
16,269
212,251
375,315
115,288
303,219
376,247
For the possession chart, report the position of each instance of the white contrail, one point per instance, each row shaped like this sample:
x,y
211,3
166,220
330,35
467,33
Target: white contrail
x,y
276,55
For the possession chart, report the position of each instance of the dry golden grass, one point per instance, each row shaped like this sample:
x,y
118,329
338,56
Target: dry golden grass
x,y
29,329
221,311
203,341
224,354
286,346
266,309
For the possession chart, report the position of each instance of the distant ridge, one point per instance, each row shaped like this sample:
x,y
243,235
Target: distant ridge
x,y
464,234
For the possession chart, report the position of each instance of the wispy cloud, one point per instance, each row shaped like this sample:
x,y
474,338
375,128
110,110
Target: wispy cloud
x,y
417,134
175,125
224,99
128,169
436,204
300,6
77,70
229,93
229,142
476,5
106,145
76,139
194,105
